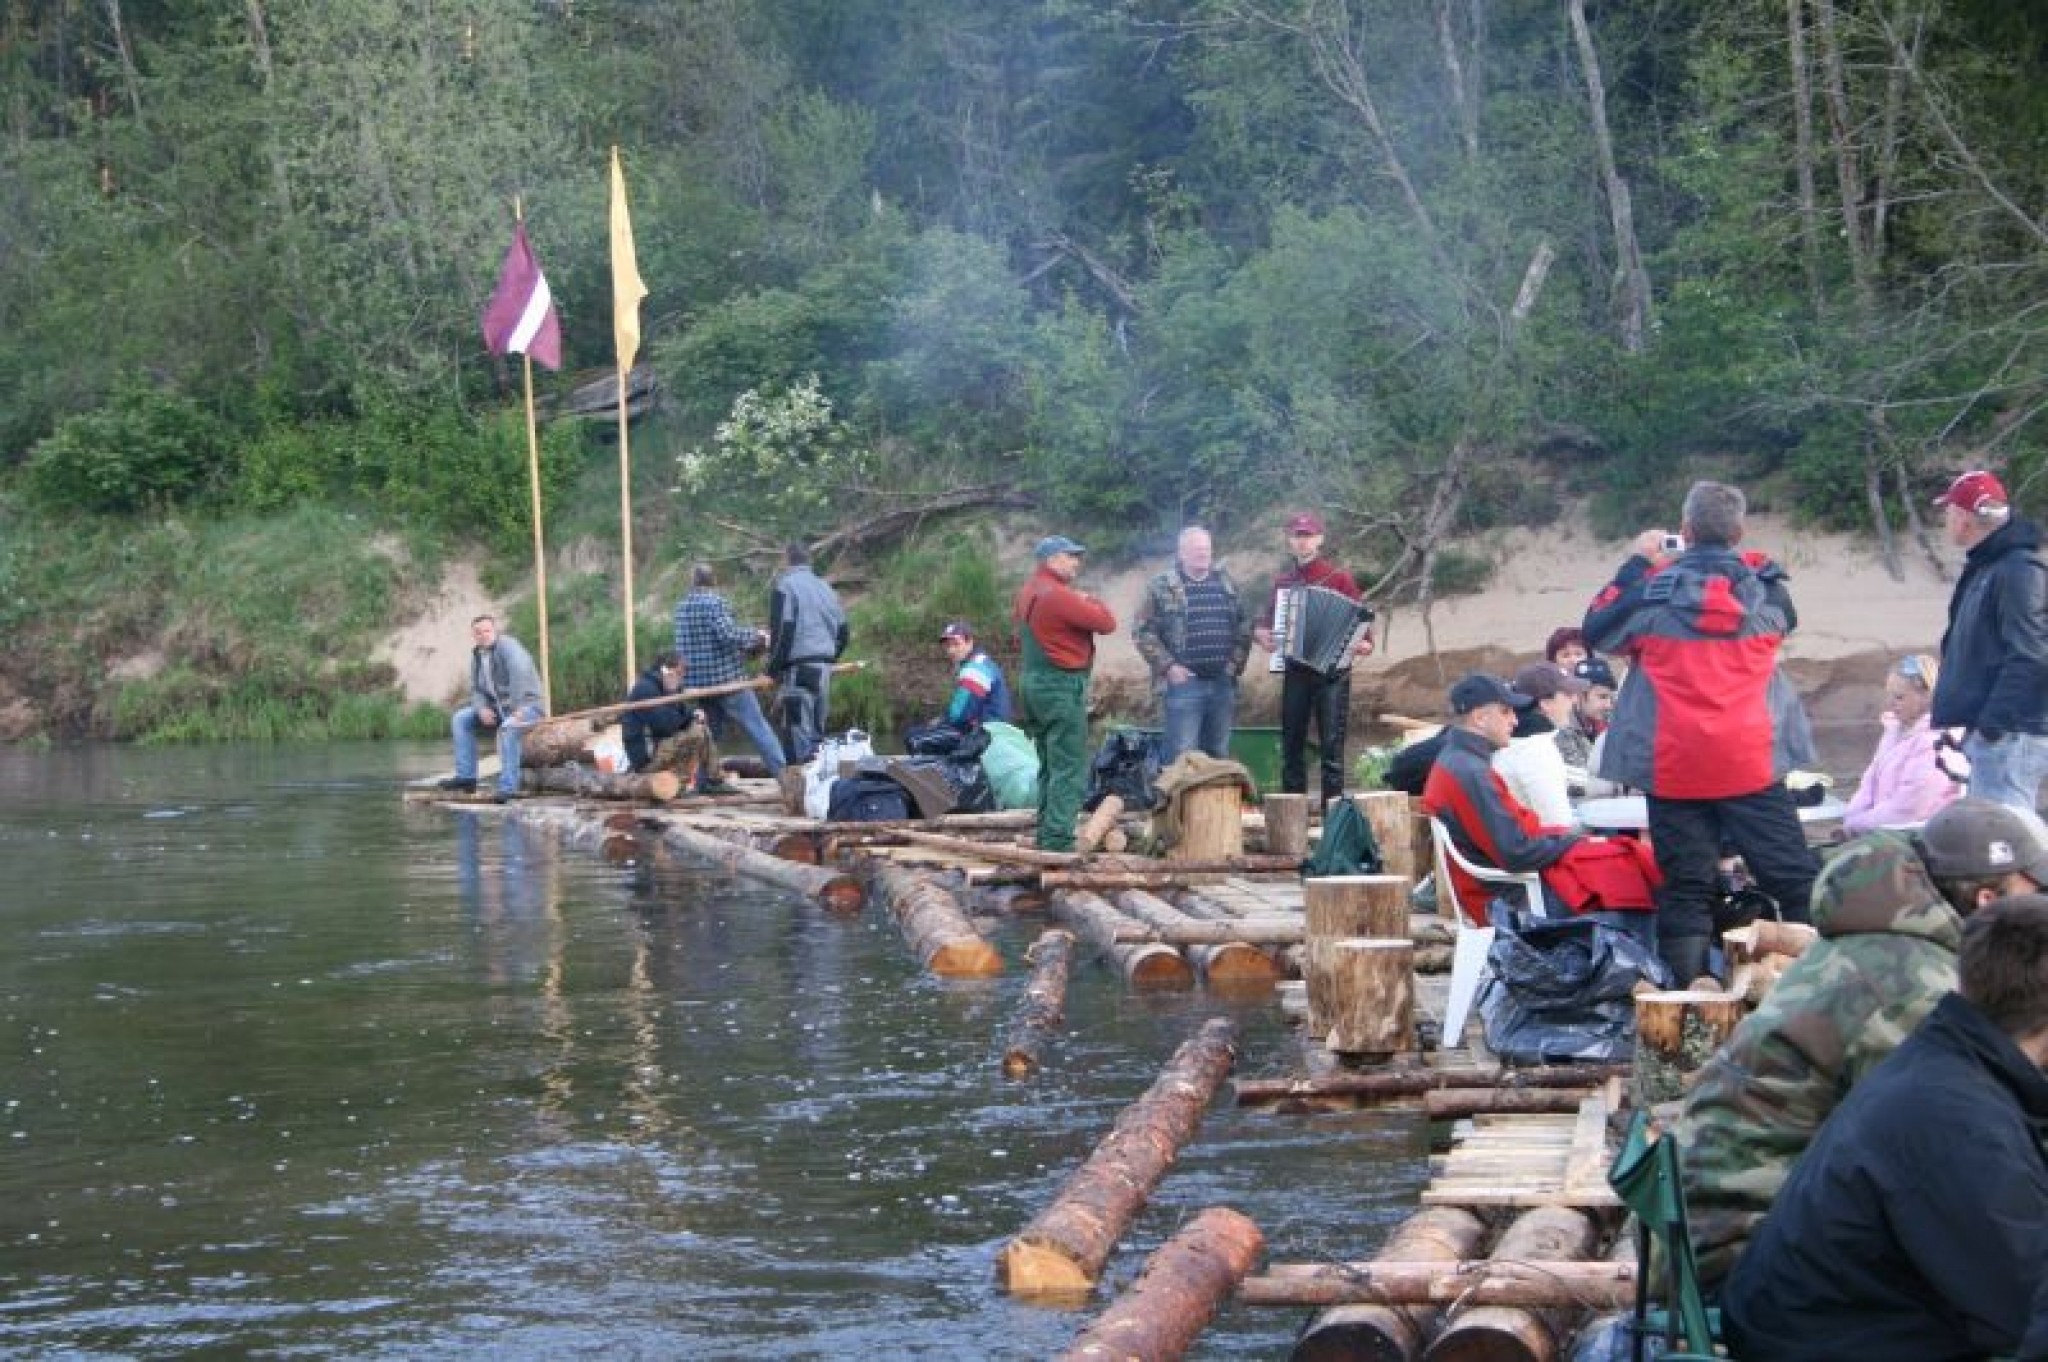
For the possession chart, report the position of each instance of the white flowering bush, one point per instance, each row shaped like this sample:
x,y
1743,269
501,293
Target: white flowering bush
x,y
782,455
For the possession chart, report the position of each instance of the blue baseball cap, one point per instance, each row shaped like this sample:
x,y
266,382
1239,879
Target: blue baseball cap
x,y
1056,543
1480,689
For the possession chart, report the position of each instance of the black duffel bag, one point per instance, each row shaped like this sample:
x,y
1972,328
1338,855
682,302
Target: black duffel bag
x,y
868,797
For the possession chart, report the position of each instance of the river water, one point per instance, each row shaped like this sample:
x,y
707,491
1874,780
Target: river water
x,y
288,1067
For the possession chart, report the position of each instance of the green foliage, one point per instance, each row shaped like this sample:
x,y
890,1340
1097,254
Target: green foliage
x,y
145,448
783,456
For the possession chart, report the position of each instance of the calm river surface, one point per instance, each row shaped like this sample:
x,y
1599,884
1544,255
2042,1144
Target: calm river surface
x,y
287,1067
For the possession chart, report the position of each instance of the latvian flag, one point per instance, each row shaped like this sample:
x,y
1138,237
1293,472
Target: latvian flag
x,y
520,318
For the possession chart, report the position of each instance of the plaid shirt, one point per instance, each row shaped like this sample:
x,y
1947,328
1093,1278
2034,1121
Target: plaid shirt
x,y
710,639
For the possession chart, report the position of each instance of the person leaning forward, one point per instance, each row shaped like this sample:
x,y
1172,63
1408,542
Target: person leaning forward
x,y
1056,628
504,697
672,737
1705,724
1193,631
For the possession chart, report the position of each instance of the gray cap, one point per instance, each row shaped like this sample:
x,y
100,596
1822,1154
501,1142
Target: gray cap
x,y
1480,689
1056,543
1541,680
1978,839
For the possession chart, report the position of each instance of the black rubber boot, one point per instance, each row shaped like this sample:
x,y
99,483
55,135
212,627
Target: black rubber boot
x,y
1685,956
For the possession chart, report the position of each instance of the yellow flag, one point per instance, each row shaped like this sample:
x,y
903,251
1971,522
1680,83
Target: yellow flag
x,y
627,287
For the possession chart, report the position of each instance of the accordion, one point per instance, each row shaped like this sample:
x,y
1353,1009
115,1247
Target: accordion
x,y
1317,628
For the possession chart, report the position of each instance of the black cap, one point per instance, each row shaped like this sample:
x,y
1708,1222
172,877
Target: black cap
x,y
1480,689
1594,671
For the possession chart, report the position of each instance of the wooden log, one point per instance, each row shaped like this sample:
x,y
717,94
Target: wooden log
x,y
553,744
932,921
1676,1033
1433,1235
1371,986
1390,1085
801,847
1143,963
1224,961
1063,1250
1183,1283
1768,937
1393,831
1211,823
1044,1004
1271,930
1126,879
1337,908
1521,1333
1099,824
1286,824
832,890
1591,1284
588,783
1455,1104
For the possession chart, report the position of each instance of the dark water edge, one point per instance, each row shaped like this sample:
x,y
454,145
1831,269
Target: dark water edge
x,y
293,1069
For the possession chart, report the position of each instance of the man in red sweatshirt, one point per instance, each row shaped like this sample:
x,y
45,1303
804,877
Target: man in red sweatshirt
x,y
1305,691
1056,628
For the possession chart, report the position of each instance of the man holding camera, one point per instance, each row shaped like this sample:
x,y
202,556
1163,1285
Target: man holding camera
x,y
1707,726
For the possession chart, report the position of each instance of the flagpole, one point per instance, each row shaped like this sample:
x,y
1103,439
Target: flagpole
x,y
627,291
626,526
540,557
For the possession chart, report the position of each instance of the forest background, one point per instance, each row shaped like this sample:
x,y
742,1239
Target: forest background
x,y
928,276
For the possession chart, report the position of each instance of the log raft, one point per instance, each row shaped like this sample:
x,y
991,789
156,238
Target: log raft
x,y
833,890
934,924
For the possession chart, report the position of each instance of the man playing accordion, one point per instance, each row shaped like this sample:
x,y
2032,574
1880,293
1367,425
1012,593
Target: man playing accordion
x,y
1308,691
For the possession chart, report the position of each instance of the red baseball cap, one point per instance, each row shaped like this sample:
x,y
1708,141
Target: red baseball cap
x,y
1973,491
1304,522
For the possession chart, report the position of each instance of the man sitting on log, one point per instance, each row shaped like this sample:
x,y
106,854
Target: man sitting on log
x,y
1615,877
671,737
504,699
1890,911
1917,1224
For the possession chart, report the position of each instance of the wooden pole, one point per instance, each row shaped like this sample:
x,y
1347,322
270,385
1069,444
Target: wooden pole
x,y
626,520
1435,1235
540,553
1455,1104
1044,1004
1393,831
934,924
1394,1085
1519,1333
1180,1289
1099,824
1286,824
1063,1250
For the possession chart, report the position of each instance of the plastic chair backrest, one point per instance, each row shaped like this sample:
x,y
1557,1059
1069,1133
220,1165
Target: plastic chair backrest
x,y
1645,1175
1447,855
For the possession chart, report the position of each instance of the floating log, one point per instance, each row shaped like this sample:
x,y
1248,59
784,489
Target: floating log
x,y
1266,930
1063,1250
1524,1333
1676,1033
1183,1283
1455,1104
934,924
1211,823
1393,831
1484,1282
1226,960
1286,824
1439,1235
1143,963
1371,990
1394,1084
1044,1004
1100,823
589,783
833,890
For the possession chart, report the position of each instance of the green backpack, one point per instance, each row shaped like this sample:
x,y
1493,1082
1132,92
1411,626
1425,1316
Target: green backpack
x,y
1347,847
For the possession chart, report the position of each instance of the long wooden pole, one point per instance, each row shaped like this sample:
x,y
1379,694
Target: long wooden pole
x,y
626,524
687,693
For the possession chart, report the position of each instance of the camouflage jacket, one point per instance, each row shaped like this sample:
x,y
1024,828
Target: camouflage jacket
x,y
1886,955
1161,628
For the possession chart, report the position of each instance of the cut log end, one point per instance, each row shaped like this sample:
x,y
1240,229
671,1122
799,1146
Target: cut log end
x,y
1042,1272
842,896
967,958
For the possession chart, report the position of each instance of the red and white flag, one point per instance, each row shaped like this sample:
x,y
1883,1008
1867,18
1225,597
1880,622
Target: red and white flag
x,y
521,318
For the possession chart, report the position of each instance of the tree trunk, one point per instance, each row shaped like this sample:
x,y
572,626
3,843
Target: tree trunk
x,y
934,924
1099,824
1521,1333
1394,829
1433,1236
1848,174
1632,282
1222,959
830,889
1177,1293
1455,1104
1340,908
1802,152
1063,1250
659,786
1044,1004
1286,825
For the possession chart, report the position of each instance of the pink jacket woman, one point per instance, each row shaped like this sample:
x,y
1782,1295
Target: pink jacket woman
x,y
1903,784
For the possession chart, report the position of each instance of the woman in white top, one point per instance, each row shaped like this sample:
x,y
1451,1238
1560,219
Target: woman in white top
x,y
1531,764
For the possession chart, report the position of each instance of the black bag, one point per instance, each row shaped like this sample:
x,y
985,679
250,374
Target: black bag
x,y
1563,989
1126,765
868,797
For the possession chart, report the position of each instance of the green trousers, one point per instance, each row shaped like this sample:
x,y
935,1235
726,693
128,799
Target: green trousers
x,y
1056,703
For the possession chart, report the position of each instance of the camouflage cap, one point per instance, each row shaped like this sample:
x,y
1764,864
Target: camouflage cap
x,y
1977,839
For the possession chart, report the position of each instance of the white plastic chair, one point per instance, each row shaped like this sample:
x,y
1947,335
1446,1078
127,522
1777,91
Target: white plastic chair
x,y
1469,956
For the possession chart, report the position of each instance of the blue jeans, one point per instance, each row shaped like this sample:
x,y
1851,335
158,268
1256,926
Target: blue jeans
x,y
1197,714
510,736
2009,771
743,708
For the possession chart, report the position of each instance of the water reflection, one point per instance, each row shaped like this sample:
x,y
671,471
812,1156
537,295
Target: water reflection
x,y
301,1069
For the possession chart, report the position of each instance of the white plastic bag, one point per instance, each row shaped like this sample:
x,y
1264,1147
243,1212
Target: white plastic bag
x,y
852,745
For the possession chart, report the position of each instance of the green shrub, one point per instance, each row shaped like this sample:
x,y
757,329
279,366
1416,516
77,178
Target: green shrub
x,y
143,448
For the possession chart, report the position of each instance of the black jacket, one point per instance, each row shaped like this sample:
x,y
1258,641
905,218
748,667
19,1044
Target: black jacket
x,y
642,730
1994,657
1915,1226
